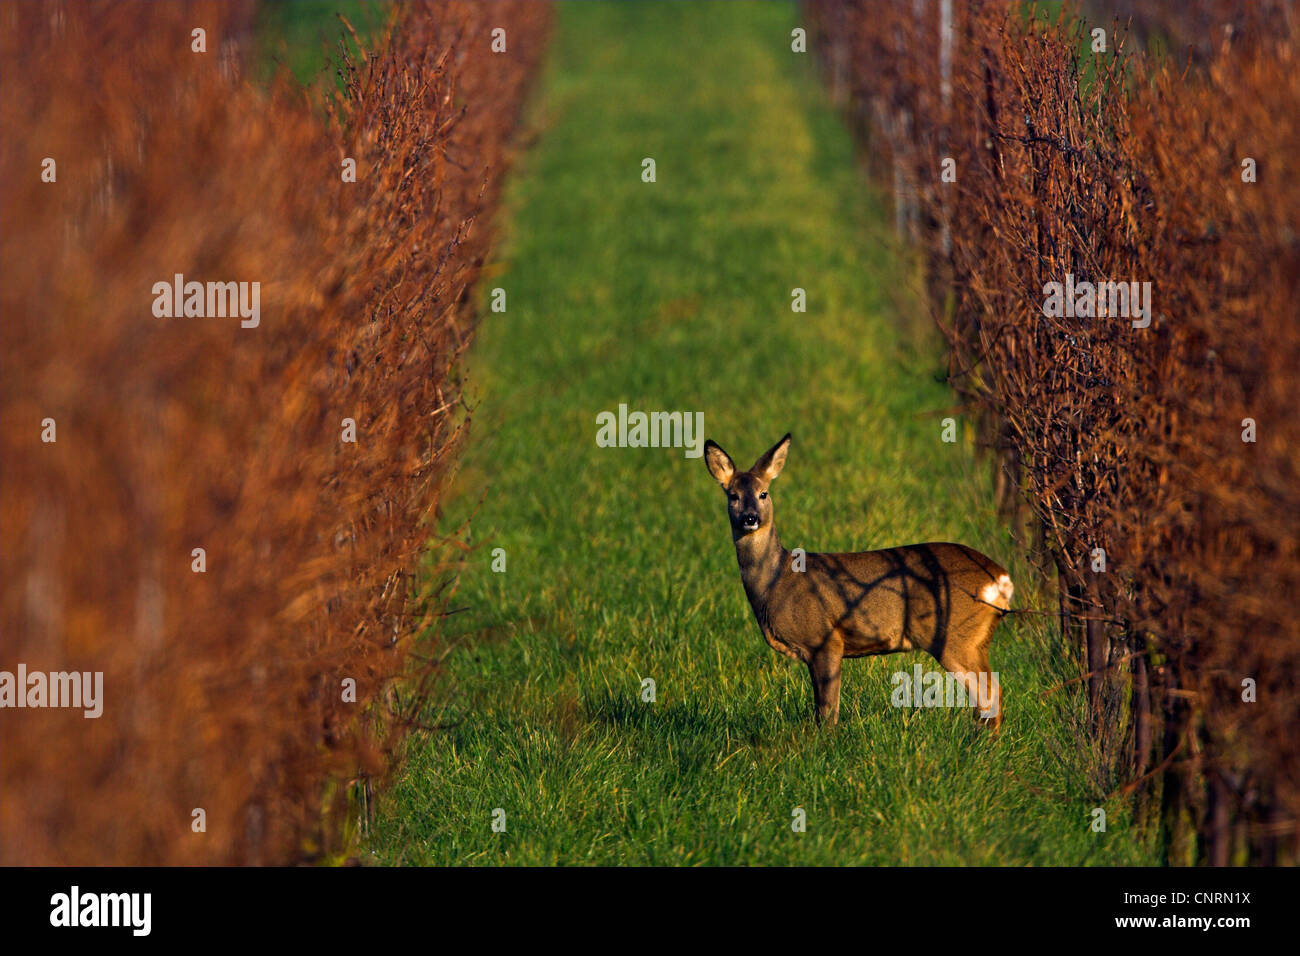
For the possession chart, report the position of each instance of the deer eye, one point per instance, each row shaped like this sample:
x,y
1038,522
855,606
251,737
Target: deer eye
x,y
732,496
762,494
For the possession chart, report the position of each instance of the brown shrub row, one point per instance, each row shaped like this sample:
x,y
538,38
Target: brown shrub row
x,y
223,690
1121,166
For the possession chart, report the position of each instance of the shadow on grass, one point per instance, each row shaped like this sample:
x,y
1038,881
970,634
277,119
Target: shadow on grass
x,y
740,723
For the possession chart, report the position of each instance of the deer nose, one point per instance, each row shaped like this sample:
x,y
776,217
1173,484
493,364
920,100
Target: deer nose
x,y
749,521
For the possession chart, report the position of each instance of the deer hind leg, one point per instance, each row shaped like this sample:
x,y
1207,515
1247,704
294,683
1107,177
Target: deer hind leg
x,y
982,687
824,669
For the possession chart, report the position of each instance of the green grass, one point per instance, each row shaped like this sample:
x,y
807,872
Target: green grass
x,y
676,296
304,35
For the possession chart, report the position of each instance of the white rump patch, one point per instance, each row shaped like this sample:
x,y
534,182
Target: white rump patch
x,y
999,592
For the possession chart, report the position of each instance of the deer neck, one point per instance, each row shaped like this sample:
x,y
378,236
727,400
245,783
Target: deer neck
x,y
762,560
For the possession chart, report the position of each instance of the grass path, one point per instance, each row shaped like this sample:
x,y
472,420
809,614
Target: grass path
x,y
676,296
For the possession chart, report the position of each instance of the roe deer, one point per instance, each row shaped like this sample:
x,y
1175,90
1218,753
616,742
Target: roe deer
x,y
944,599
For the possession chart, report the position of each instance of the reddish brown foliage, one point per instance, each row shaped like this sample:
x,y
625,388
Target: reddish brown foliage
x,y
1122,167
223,689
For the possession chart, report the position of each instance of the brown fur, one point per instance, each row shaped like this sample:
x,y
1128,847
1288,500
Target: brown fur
x,y
930,597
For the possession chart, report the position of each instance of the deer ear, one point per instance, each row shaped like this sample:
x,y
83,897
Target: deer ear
x,y
773,460
721,467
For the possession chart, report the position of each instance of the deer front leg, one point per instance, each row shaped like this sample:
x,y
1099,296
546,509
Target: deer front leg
x,y
824,669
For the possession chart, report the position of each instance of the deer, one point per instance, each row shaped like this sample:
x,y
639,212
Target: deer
x,y
941,598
